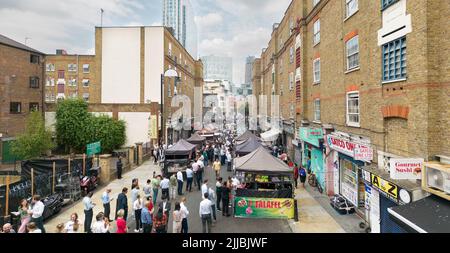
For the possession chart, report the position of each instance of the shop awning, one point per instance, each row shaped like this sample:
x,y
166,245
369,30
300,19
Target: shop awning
x,y
271,135
262,162
428,215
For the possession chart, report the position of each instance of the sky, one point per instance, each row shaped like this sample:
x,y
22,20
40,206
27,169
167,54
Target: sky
x,y
234,28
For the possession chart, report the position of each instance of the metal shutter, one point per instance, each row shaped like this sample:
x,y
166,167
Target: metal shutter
x,y
387,224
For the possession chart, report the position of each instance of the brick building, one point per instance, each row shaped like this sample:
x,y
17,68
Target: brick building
x,y
21,90
372,85
71,76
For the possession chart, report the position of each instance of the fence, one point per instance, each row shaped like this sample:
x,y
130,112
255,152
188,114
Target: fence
x,y
147,150
39,177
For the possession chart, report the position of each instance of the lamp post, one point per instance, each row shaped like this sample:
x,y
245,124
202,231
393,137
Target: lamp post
x,y
169,73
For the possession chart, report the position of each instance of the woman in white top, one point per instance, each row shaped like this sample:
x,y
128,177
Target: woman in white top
x,y
177,219
101,225
73,225
137,207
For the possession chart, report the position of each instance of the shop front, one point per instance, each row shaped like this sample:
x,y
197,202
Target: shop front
x,y
344,162
288,137
312,152
384,193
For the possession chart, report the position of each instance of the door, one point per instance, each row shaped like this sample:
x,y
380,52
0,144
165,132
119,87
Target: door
x,y
7,155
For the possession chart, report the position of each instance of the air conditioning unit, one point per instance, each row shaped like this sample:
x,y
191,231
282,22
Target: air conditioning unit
x,y
436,179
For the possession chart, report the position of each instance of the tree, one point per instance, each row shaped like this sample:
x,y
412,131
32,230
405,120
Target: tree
x,y
76,127
35,141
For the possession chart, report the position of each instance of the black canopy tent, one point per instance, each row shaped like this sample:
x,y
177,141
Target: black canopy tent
x,y
196,139
245,136
178,157
428,215
275,174
250,145
181,148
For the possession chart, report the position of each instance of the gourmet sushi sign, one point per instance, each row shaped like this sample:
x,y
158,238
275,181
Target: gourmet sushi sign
x,y
264,208
357,151
406,168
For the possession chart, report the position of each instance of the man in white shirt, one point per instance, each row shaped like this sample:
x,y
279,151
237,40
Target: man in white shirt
x,y
36,212
106,200
212,197
184,216
204,188
195,167
205,212
165,184
189,178
88,212
180,182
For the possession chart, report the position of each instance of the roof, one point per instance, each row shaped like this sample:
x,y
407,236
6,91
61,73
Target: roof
x,y
248,146
182,147
12,43
262,162
428,215
196,138
245,136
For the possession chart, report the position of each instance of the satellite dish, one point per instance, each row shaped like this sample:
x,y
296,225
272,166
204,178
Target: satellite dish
x,y
171,73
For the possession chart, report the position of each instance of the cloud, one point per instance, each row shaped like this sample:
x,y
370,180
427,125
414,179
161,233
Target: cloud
x,y
209,20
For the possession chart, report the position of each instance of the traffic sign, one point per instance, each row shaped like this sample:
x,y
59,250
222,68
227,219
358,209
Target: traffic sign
x,y
93,148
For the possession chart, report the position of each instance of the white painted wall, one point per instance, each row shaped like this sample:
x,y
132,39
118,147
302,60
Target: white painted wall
x,y
137,125
394,17
50,120
154,63
121,65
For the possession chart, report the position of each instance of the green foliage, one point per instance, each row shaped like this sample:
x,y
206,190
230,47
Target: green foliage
x,y
76,127
35,141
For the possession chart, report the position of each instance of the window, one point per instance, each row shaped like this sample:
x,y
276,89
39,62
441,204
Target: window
x,y
49,67
34,82
170,49
86,68
353,109
85,82
273,74
394,60
86,97
52,81
316,70
61,74
281,66
169,92
34,59
34,107
281,43
73,82
387,3
317,110
351,7
316,39
47,82
353,53
291,55
47,97
72,67
15,107
291,26
291,114
291,81
315,2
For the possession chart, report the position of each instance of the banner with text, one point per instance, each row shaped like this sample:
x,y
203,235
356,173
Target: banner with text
x,y
264,208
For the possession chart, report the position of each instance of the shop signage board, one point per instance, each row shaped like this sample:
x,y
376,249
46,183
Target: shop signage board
x,y
406,168
350,193
93,148
264,208
311,135
348,148
386,188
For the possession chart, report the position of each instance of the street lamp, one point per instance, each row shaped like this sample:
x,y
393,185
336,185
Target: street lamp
x,y
170,73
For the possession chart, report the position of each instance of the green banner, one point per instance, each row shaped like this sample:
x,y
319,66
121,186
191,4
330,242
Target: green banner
x,y
264,208
93,148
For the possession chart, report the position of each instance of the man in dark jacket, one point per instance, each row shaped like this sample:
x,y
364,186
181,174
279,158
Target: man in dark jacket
x,y
165,206
119,168
122,202
225,199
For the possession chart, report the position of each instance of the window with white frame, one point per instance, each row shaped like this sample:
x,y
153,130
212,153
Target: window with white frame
x,y
351,6
170,49
47,82
353,53
86,68
315,2
49,67
316,70
291,81
317,110
86,97
353,109
316,38
291,55
72,67
292,113
52,81
72,82
281,66
281,43
291,26
85,82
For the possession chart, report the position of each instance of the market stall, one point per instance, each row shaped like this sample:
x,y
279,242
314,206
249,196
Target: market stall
x,y
245,137
197,140
245,148
266,187
178,157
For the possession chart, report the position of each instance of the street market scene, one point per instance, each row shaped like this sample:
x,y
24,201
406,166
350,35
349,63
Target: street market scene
x,y
225,118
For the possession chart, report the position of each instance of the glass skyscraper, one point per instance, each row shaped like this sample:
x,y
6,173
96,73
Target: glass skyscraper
x,y
179,15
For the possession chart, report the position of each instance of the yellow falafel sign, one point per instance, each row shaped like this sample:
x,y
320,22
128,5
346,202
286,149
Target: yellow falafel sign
x,y
264,208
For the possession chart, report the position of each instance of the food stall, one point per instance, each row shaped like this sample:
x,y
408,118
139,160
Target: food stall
x,y
245,148
197,140
266,187
177,157
245,137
